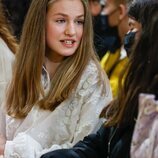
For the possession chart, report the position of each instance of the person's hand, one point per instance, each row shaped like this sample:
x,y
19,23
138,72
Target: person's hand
x,y
2,144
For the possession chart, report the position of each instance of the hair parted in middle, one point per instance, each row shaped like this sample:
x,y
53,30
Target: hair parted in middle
x,y
25,88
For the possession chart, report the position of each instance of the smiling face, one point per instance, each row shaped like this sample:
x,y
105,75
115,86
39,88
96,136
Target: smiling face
x,y
64,28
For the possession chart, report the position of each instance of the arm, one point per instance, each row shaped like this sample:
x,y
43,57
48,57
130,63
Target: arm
x,y
6,59
2,144
145,136
22,146
92,102
93,146
89,101
2,131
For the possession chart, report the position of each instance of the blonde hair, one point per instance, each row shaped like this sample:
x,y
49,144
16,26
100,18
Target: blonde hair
x,y
5,31
25,88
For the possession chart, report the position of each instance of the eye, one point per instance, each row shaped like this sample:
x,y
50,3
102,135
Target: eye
x,y
60,21
79,22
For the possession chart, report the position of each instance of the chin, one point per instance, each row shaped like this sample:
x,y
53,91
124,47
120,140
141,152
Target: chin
x,y
67,54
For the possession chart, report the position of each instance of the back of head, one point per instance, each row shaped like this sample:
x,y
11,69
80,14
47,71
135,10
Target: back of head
x,y
134,9
146,49
5,31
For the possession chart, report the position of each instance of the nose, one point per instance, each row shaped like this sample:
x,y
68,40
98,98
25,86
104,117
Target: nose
x,y
70,29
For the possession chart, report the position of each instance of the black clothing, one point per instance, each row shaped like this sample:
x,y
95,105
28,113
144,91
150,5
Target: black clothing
x,y
108,142
106,38
16,12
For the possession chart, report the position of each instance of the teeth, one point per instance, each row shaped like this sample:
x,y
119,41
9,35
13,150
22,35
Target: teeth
x,y
68,42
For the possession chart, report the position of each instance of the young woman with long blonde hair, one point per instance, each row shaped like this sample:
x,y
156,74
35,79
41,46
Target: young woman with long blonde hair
x,y
58,88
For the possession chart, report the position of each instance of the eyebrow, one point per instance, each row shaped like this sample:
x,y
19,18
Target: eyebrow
x,y
65,15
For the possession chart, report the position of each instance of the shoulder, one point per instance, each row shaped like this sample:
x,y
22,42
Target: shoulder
x,y
90,76
91,71
5,52
145,135
91,68
6,61
95,79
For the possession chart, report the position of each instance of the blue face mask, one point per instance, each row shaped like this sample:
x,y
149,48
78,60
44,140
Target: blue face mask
x,y
106,34
129,40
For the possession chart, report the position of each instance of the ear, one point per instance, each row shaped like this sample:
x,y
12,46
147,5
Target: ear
x,y
123,11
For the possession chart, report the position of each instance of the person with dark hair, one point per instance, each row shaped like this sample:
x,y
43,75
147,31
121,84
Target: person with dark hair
x,y
145,138
134,26
114,138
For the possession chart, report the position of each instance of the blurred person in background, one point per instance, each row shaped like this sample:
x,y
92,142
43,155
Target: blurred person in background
x,y
16,13
105,39
116,24
134,26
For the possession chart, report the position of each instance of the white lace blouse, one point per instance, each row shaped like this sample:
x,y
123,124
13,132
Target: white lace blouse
x,y
6,58
43,131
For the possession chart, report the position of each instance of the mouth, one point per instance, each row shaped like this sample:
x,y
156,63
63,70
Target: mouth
x,y
68,42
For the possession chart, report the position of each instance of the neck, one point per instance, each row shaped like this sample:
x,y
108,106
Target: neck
x,y
51,66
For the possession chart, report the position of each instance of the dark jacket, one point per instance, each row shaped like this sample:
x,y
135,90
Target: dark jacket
x,y
108,142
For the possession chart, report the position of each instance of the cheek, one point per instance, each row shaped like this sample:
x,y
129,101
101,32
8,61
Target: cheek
x,y
80,34
50,35
52,32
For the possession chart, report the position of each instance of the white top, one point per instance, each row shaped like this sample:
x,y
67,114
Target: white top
x,y
43,131
6,58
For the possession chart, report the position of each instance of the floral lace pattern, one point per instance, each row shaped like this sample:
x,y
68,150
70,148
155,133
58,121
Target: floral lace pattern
x,y
75,118
145,137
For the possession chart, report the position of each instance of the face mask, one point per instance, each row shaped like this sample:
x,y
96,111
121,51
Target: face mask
x,y
107,35
129,40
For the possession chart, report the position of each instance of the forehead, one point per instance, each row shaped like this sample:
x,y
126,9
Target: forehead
x,y
68,7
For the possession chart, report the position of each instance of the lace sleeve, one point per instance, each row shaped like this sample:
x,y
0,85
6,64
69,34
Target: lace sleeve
x,y
145,136
93,101
75,118
23,146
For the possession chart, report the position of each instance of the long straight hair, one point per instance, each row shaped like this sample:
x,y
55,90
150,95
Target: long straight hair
x,y
5,31
142,73
25,88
